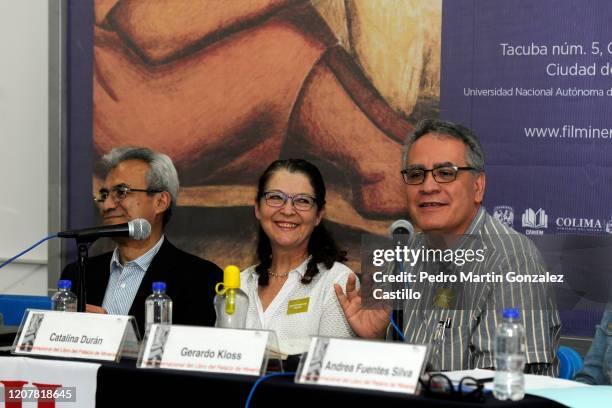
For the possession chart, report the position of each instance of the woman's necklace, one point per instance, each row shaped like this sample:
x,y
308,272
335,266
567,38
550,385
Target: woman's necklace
x,y
278,275
282,275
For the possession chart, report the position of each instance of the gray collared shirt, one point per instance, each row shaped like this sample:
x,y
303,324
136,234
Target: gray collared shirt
x,y
472,311
125,280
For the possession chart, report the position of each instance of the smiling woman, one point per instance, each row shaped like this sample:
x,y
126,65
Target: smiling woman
x,y
291,289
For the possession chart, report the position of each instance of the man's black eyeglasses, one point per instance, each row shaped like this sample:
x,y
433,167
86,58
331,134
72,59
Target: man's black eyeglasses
x,y
120,192
440,386
441,174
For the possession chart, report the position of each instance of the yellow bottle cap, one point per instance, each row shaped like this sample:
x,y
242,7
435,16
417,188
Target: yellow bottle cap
x,y
231,278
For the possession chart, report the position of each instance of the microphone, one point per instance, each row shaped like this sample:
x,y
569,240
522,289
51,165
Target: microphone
x,y
137,229
403,229
402,232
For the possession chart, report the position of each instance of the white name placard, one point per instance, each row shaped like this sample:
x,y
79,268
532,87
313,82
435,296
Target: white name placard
x,y
75,335
372,365
207,349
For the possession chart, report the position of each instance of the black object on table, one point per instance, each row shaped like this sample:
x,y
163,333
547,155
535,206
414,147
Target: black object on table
x,y
7,335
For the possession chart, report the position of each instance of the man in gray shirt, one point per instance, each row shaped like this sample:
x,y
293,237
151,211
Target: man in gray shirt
x,y
445,184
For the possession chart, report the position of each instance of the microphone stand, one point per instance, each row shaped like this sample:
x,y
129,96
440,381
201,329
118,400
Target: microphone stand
x,y
398,312
82,250
400,237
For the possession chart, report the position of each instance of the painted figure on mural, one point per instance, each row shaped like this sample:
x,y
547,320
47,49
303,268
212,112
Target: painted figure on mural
x,y
226,87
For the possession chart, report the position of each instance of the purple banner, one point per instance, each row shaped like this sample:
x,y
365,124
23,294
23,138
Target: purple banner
x,y
533,79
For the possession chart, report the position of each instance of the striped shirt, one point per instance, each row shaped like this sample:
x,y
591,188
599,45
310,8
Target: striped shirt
x,y
125,280
470,311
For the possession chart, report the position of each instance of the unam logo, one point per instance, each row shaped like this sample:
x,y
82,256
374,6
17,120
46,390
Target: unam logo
x,y
505,214
535,219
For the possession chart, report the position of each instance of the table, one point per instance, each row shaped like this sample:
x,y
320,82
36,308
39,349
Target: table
x,y
156,387
118,383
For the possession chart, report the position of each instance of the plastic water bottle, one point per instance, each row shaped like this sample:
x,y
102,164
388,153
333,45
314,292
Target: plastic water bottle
x,y
158,306
231,303
64,300
509,382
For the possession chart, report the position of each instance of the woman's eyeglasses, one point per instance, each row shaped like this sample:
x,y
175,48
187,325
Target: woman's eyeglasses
x,y
301,202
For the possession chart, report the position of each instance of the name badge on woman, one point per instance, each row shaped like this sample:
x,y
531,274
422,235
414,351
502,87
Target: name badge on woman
x,y
298,306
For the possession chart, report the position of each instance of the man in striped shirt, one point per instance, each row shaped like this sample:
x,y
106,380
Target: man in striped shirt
x,y
445,184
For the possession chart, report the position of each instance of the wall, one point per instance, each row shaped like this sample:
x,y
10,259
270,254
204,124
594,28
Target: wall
x,y
24,137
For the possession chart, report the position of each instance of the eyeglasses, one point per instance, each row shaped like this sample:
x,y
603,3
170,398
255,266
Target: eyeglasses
x,y
441,174
120,192
440,386
301,202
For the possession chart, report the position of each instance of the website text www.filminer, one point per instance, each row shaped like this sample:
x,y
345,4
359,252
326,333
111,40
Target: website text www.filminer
x,y
568,132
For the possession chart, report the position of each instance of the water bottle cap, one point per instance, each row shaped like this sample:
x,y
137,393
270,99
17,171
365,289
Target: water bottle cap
x,y
159,286
231,277
511,314
64,284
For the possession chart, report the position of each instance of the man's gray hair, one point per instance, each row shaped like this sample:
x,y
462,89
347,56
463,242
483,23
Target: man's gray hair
x,y
474,153
162,176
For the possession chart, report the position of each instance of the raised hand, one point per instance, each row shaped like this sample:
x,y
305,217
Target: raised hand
x,y
366,323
